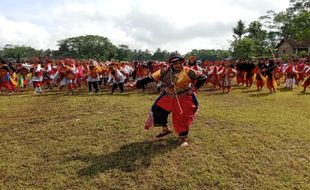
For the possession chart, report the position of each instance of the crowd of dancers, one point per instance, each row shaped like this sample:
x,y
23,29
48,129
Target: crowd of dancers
x,y
44,74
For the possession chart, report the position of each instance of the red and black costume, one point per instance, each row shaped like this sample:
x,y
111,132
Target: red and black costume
x,y
178,97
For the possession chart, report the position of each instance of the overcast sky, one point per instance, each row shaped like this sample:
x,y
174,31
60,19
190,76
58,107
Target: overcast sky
x,y
171,25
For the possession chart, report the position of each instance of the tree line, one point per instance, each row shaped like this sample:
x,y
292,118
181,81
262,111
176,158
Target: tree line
x,y
261,36
101,48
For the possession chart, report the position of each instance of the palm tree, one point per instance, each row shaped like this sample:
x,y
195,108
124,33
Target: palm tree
x,y
239,30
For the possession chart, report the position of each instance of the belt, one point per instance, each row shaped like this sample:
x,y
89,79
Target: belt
x,y
179,93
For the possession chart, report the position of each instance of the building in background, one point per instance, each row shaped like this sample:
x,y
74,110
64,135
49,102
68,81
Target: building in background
x,y
291,47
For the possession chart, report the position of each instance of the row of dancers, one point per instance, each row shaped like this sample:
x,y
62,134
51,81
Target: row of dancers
x,y
94,74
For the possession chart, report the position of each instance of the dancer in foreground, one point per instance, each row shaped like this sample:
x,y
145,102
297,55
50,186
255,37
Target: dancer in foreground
x,y
178,98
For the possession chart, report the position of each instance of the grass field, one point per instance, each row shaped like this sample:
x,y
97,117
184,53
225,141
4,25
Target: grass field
x,y
243,140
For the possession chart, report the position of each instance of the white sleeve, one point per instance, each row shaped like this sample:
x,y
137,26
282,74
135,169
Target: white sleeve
x,y
294,70
49,68
220,72
307,69
27,66
74,71
121,77
211,71
284,68
110,78
38,69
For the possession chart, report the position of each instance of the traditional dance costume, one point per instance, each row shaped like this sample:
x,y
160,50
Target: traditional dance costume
x,y
5,78
307,80
37,78
177,98
117,78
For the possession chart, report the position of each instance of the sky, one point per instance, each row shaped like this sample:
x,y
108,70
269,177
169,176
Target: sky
x,y
171,25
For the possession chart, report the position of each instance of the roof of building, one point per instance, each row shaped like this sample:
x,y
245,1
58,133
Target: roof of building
x,y
294,43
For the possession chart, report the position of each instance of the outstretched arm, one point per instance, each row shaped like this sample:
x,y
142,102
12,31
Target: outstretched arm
x,y
198,77
154,77
144,81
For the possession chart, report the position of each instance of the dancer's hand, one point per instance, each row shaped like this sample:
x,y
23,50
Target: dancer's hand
x,y
191,91
133,84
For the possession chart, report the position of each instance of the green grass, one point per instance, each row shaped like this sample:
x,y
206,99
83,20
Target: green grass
x,y
243,140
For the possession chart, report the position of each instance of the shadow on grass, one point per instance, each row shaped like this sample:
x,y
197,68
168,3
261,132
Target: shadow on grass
x,y
260,94
249,91
239,87
303,93
209,89
128,158
85,94
219,93
284,89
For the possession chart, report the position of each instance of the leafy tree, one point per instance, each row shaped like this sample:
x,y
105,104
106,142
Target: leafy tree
x,y
244,49
140,55
259,36
19,53
239,30
300,26
297,6
292,23
210,55
124,53
256,32
160,55
86,47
